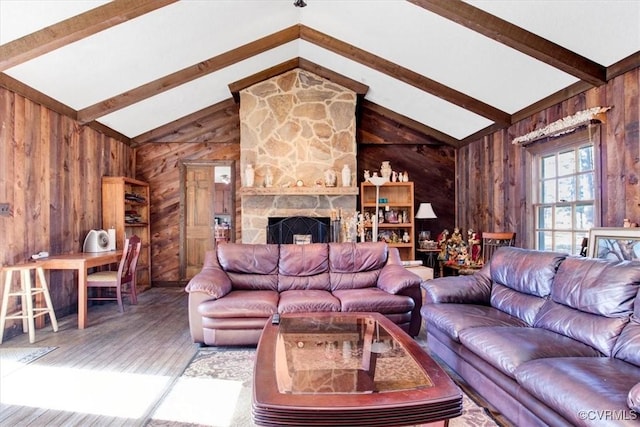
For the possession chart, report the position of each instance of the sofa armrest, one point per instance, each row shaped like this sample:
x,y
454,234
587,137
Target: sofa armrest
x,y
472,289
633,399
394,278
212,281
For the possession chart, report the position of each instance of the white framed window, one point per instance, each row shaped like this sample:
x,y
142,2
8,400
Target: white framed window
x,y
565,190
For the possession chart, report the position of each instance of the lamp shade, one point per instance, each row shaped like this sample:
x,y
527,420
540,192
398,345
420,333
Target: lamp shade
x,y
425,211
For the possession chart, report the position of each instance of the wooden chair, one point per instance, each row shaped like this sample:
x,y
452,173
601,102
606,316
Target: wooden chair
x,y
492,241
123,280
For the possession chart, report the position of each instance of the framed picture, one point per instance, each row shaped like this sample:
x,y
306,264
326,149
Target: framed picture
x,y
615,243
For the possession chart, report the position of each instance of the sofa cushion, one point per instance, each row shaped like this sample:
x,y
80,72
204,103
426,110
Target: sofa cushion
x,y
241,303
307,301
506,348
454,318
303,267
627,345
373,299
356,265
522,272
591,301
633,400
584,390
250,266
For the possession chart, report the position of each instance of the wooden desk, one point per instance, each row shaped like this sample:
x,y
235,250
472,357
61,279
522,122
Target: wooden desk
x,y
80,262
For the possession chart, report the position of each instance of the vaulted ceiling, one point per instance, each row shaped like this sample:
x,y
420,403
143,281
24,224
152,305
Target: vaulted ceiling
x,y
455,70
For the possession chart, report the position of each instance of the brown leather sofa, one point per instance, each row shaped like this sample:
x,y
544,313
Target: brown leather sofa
x,y
241,285
547,339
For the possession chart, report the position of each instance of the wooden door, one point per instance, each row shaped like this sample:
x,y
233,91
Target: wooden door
x,y
199,192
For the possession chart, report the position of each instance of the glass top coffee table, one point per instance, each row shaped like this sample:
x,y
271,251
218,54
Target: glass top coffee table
x,y
347,369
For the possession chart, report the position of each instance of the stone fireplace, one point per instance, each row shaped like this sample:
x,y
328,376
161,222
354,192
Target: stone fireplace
x,y
294,127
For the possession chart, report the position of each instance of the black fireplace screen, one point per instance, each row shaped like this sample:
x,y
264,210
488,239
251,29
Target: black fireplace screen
x,y
298,229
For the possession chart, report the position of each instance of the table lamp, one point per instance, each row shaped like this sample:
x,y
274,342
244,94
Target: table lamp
x,y
425,211
377,181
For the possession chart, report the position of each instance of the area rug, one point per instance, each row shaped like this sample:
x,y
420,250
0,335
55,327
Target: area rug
x,y
13,358
215,390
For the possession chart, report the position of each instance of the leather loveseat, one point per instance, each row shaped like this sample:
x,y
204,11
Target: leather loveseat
x,y
241,285
547,339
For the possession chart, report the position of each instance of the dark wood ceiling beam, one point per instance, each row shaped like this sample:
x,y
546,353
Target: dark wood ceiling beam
x,y
74,29
411,124
171,131
403,74
188,74
360,89
261,76
36,96
518,38
106,130
276,70
627,64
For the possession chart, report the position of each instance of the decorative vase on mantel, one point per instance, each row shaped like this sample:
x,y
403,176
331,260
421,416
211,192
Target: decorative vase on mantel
x,y
249,175
346,176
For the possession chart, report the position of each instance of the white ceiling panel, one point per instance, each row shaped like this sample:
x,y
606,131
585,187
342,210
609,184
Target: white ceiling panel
x,y
21,17
399,96
604,31
193,96
183,34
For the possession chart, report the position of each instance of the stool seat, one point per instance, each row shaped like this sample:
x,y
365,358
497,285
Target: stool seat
x,y
28,312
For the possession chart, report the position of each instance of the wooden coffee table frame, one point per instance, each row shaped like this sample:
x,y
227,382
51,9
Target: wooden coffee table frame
x,y
432,405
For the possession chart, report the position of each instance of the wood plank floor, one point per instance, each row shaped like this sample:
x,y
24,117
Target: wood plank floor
x,y
138,353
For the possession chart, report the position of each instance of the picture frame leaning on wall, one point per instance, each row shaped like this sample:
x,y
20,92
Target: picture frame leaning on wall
x,y
615,243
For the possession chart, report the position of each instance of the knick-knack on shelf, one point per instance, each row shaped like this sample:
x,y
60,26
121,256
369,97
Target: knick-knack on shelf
x,y
385,170
268,178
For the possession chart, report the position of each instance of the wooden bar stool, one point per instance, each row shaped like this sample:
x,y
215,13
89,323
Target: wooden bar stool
x,y
28,312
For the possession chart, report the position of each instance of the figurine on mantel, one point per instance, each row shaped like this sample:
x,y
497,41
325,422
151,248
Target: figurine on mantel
x,y
346,176
268,178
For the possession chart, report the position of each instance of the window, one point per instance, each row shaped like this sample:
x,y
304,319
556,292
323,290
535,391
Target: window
x,y
565,191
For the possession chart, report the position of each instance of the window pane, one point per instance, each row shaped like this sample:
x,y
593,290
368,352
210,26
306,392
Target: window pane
x,y
545,241
545,217
549,191
563,218
567,189
586,187
548,167
563,242
584,217
586,159
567,163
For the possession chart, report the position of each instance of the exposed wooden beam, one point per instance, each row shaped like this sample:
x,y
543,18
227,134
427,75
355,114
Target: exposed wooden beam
x,y
106,130
36,96
627,64
188,74
400,73
74,29
551,100
411,124
518,38
260,76
276,70
360,89
171,132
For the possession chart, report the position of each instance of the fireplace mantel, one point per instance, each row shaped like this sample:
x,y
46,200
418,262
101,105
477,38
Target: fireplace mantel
x,y
299,191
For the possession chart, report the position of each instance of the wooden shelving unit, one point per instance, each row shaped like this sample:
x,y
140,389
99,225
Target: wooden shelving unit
x,y
125,207
397,204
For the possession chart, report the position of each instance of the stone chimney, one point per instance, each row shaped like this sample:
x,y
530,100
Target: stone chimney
x,y
295,127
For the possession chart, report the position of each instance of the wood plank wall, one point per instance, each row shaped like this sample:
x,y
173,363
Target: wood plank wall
x,y
159,165
50,172
429,163
492,173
